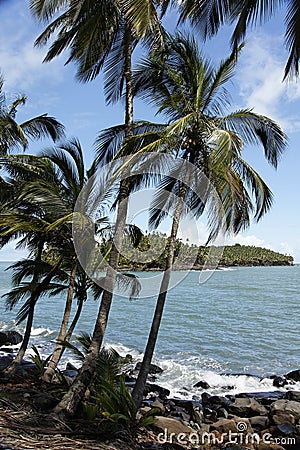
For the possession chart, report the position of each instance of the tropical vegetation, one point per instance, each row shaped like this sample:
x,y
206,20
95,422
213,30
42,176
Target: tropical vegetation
x,y
198,148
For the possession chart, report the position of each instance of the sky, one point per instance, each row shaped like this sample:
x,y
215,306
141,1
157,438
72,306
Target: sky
x,y
52,88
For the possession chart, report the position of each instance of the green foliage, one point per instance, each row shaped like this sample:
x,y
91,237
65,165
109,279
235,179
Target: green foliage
x,y
110,397
190,254
40,363
118,407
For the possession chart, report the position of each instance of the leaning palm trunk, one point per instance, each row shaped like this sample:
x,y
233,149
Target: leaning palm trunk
x,y
140,384
58,351
12,368
71,400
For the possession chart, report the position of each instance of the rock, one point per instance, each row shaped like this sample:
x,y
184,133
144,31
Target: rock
x,y
5,361
202,384
159,406
286,406
224,426
144,410
10,337
197,416
264,398
222,412
293,395
156,389
293,375
70,366
167,425
279,381
282,418
259,422
154,369
247,407
263,446
215,401
287,429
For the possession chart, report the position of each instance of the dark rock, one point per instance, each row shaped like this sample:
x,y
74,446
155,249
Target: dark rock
x,y
210,416
279,381
70,366
287,429
293,375
70,374
259,422
222,412
156,389
154,369
264,398
5,361
215,401
202,384
10,337
293,395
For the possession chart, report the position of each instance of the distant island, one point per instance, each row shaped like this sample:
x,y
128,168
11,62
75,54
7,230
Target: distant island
x,y
152,249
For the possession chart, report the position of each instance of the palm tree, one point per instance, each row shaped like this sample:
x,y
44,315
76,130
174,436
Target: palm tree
x,y
26,221
209,15
14,134
192,94
99,35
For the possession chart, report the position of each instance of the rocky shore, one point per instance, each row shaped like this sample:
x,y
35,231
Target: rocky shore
x,y
260,421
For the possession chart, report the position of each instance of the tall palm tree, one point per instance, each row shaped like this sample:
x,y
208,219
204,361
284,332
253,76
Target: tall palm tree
x,y
26,221
209,15
14,134
99,35
192,94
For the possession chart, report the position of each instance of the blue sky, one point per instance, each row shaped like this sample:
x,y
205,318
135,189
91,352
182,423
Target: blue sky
x,y
52,88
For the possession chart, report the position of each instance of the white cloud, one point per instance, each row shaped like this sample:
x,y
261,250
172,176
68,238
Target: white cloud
x,y
20,61
248,240
259,77
10,253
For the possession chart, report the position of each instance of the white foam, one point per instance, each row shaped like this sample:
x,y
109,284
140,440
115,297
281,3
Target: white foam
x,y
180,380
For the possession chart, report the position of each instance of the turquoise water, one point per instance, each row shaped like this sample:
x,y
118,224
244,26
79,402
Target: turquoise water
x,y
242,320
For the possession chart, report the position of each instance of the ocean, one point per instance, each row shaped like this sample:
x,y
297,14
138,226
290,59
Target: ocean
x,y
232,331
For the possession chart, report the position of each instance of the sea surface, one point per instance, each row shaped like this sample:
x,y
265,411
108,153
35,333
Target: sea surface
x,y
233,331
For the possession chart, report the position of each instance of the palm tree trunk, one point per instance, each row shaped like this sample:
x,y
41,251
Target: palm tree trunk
x,y
69,403
58,351
11,370
140,384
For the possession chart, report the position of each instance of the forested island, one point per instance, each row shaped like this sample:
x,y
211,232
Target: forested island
x,y
152,249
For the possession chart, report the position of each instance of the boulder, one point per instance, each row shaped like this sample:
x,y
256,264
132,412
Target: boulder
x,y
226,425
283,417
158,405
247,407
202,384
294,375
157,390
263,446
10,337
154,369
287,429
279,381
71,366
168,426
5,361
259,422
293,395
286,406
215,401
